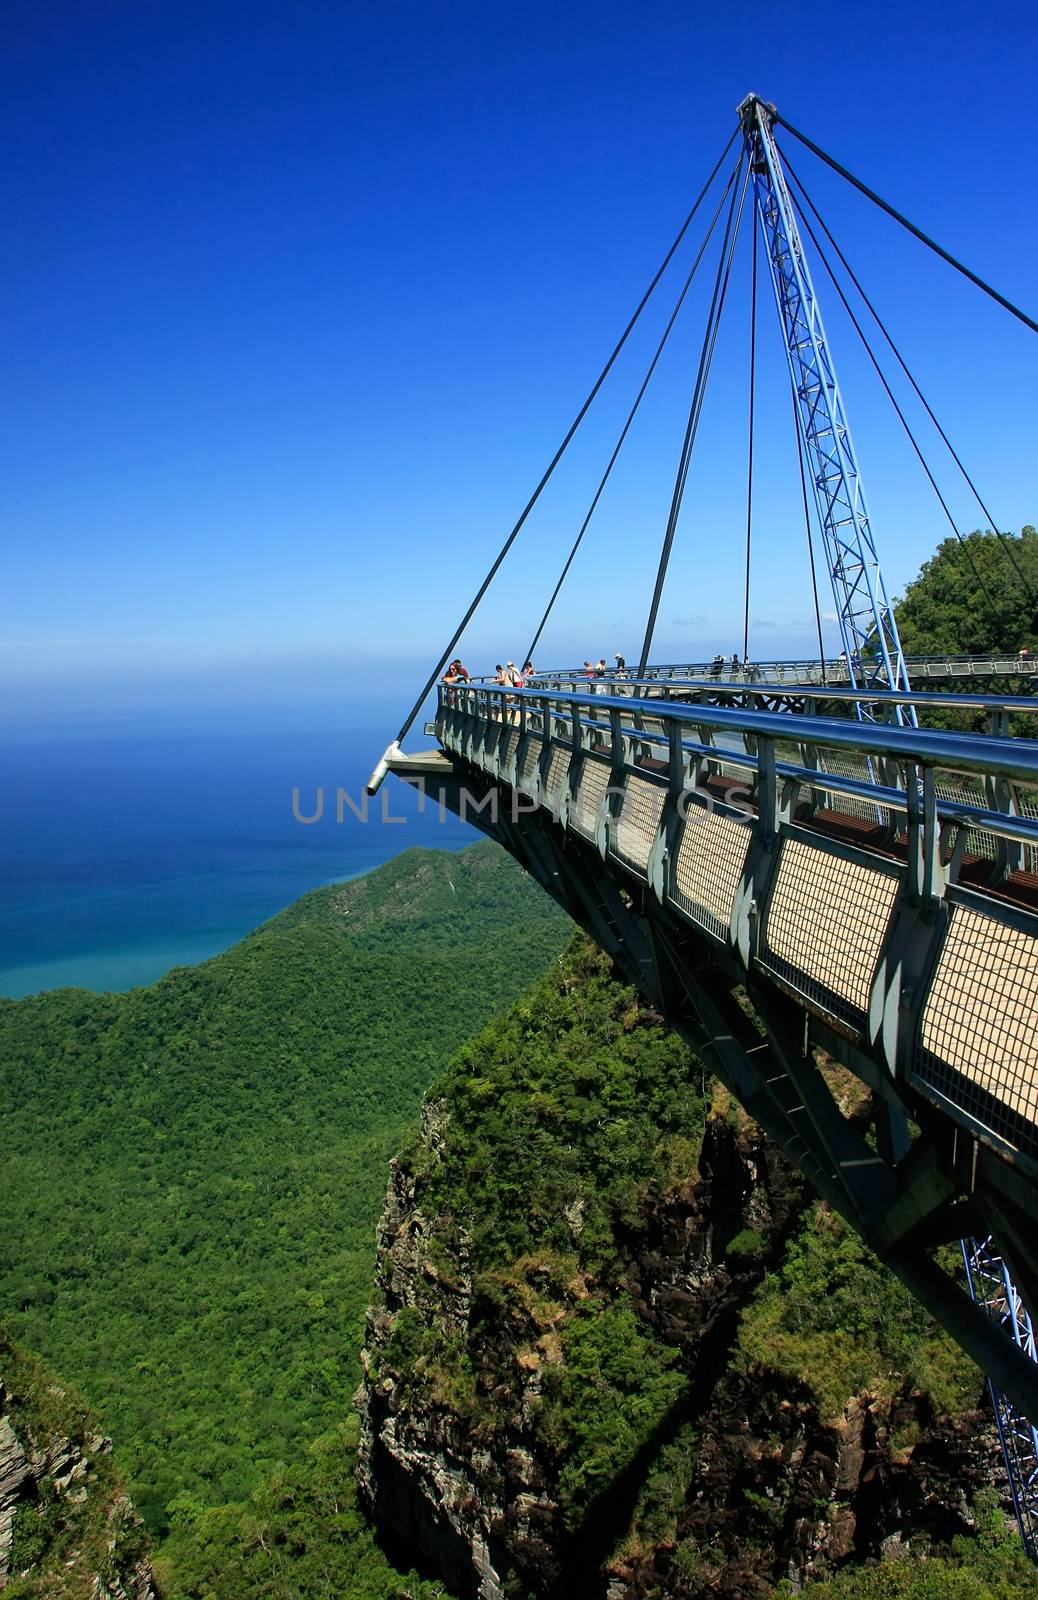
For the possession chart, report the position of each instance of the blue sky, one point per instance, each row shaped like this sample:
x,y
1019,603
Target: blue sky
x,y
299,298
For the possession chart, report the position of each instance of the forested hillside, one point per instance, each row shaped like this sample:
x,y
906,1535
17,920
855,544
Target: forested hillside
x,y
191,1173
617,1346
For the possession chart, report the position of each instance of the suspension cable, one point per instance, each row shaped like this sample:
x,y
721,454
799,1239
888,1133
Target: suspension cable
x,y
557,457
807,524
749,448
893,401
892,211
724,264
720,309
529,656
1005,543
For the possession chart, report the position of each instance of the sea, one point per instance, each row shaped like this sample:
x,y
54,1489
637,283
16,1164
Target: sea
x,y
123,855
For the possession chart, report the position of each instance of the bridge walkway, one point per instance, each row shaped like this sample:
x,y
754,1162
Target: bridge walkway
x,y
872,889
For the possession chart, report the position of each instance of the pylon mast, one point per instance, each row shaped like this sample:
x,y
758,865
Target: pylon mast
x,y
864,614
874,657
992,1288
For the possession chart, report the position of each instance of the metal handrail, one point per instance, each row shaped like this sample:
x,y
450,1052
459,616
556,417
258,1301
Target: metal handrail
x,y
1003,660
927,699
1015,759
1019,829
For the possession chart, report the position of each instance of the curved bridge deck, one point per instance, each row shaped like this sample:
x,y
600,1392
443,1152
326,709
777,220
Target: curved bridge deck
x,y
873,890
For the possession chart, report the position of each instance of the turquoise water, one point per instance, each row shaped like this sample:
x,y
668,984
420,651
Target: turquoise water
x,y
124,857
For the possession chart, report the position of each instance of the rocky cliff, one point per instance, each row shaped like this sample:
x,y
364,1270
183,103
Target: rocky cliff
x,y
67,1528
617,1351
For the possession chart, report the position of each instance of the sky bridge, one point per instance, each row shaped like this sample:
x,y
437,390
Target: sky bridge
x,y
805,865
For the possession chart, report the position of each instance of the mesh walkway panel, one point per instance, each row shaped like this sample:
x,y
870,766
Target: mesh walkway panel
x,y
558,768
589,798
709,865
827,920
528,765
978,1044
638,822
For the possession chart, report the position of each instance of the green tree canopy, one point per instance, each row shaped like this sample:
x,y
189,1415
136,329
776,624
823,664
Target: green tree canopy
x,y
969,597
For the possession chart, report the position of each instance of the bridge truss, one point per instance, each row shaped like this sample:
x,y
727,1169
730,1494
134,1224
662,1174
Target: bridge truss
x,y
789,833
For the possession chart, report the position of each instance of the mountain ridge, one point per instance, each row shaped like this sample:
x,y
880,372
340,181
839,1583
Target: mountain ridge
x,y
214,1146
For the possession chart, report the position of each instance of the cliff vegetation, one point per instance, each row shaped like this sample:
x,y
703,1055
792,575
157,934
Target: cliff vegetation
x,y
192,1172
67,1528
617,1350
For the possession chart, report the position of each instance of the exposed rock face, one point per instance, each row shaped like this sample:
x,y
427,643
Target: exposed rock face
x,y
62,1508
755,1483
422,1473
776,1492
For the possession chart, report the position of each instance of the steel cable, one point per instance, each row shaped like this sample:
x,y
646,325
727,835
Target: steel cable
x,y
898,216
893,401
1004,542
724,266
529,656
749,452
807,523
557,457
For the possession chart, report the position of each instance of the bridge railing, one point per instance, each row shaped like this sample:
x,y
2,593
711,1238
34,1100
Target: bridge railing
x,y
998,710
838,858
833,672
806,697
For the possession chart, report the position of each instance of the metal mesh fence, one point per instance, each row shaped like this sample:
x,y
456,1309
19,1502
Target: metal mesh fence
x,y
827,919
708,867
638,822
558,770
529,763
845,764
978,1045
589,798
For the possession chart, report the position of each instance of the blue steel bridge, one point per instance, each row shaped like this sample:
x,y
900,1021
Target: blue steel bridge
x,y
799,863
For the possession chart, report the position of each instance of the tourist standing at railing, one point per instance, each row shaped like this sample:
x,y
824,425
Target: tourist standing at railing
x,y
621,665
600,670
529,671
455,673
589,671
